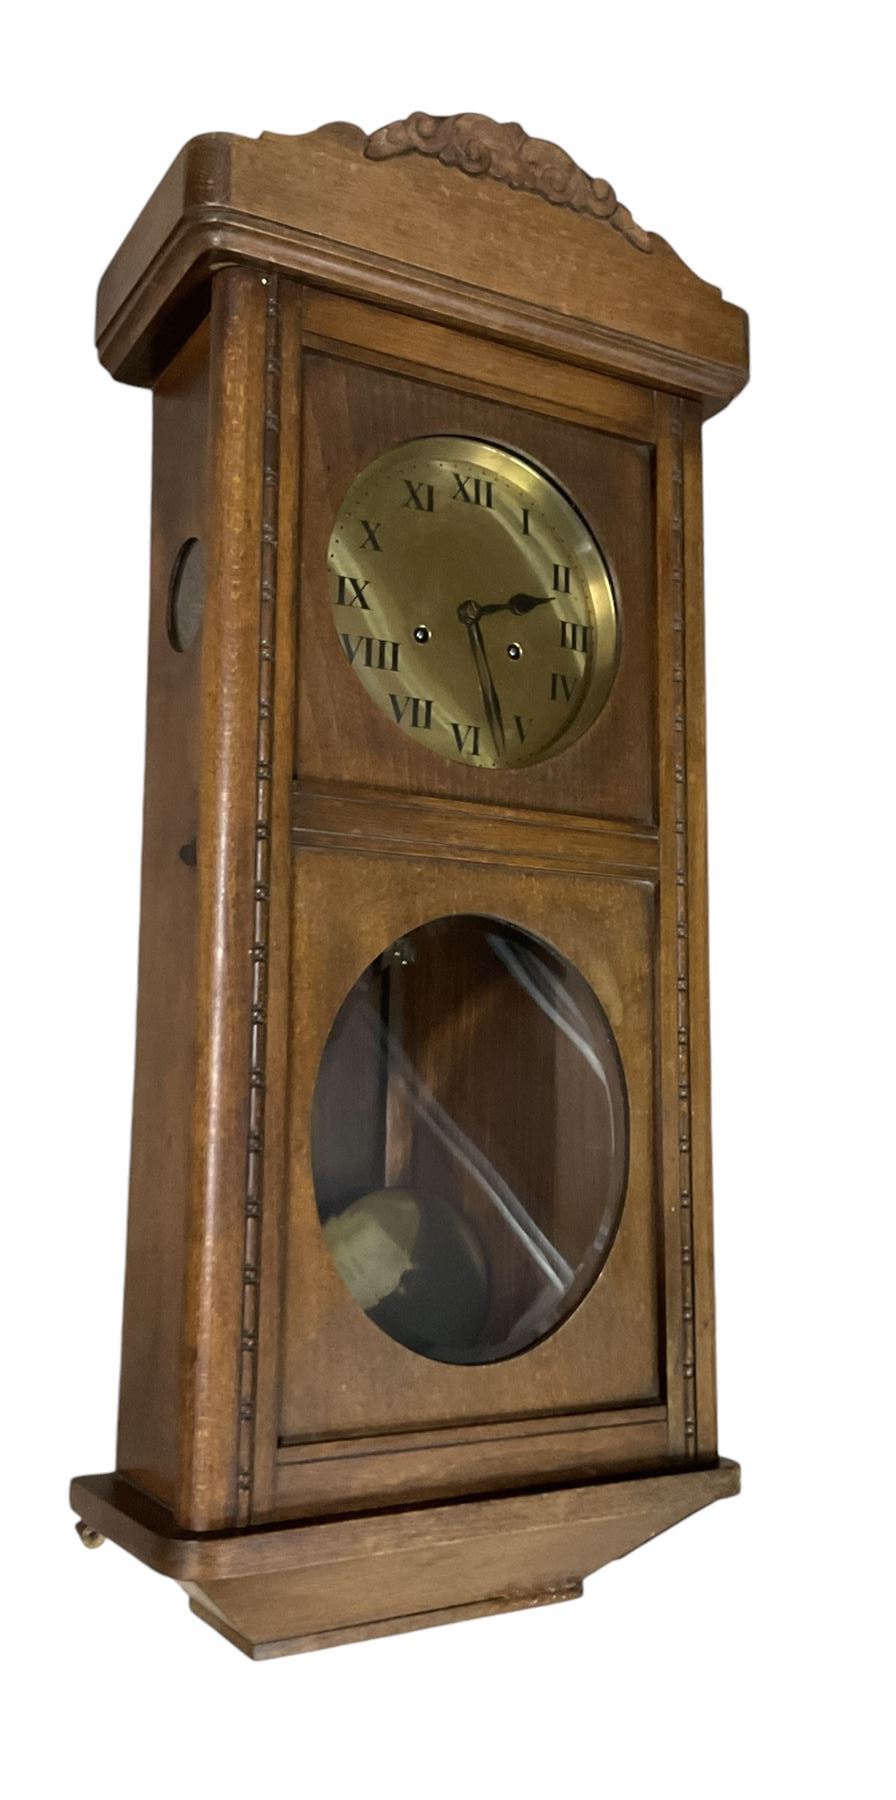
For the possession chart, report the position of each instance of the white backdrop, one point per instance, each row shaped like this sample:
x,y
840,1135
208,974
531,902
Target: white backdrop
x,y
746,1650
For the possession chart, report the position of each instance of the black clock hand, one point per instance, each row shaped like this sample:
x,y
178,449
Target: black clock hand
x,y
519,603
469,614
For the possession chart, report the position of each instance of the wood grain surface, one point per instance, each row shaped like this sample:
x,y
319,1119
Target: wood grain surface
x,y
425,240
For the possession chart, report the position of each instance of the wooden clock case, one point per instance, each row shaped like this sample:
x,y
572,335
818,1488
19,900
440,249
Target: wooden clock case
x,y
297,306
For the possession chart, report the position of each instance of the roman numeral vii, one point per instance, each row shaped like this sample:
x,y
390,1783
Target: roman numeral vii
x,y
411,710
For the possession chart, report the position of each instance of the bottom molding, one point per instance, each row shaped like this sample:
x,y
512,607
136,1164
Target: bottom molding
x,y
279,1589
376,1628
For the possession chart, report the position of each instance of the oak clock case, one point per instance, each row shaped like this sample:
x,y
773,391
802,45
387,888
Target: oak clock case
x,y
418,1317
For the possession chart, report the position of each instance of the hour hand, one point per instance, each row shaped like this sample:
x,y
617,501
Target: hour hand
x,y
526,603
518,603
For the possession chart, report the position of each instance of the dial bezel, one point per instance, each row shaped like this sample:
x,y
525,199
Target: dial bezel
x,y
561,525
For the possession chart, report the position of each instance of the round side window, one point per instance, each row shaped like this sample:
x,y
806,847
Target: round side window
x,y
186,595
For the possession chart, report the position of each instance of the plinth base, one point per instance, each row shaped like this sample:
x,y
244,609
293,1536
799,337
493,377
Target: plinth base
x,y
357,1634
277,1589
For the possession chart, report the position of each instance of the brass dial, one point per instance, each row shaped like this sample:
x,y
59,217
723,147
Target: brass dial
x,y
472,602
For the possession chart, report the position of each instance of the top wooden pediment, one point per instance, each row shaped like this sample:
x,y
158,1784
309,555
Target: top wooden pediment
x,y
457,219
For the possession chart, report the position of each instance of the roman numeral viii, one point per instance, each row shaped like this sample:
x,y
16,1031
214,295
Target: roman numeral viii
x,y
411,710
372,653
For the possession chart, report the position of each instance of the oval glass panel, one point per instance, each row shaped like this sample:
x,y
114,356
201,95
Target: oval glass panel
x,y
469,1139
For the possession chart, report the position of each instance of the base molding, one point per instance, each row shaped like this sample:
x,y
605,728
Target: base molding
x,y
278,1589
376,1628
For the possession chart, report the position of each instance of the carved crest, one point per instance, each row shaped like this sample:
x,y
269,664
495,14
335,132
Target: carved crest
x,y
480,146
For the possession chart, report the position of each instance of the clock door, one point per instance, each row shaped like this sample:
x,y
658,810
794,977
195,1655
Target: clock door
x,y
472,1243
477,1216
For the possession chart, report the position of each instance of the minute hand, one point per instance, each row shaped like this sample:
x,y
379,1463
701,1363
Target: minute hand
x,y
469,614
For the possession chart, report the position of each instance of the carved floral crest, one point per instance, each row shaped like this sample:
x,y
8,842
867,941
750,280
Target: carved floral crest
x,y
480,146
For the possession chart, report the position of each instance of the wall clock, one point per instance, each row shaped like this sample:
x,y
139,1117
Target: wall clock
x,y
418,1318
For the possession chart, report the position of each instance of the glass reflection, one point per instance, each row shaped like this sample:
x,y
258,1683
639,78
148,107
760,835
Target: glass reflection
x,y
469,1139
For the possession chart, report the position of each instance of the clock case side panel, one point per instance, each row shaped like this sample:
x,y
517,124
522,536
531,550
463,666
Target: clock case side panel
x,y
208,1122
243,867
683,974
148,1441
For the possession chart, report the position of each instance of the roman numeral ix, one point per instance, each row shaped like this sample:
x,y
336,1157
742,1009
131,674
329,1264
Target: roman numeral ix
x,y
350,592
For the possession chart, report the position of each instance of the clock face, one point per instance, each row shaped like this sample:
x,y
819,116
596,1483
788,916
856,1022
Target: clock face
x,y
473,602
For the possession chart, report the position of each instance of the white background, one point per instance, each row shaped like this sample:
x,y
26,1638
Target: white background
x,y
746,1651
